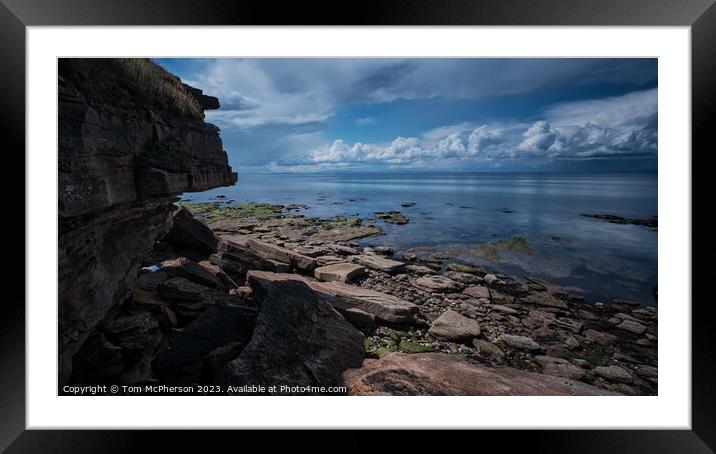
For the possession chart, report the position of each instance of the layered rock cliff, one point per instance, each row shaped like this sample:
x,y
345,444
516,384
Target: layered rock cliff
x,y
131,138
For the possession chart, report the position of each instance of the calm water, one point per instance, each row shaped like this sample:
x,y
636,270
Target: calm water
x,y
599,259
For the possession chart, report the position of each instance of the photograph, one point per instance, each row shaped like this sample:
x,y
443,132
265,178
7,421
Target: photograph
x,y
357,226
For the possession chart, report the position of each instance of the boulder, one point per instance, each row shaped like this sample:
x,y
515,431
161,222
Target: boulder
x,y
138,336
419,270
559,367
98,361
392,217
149,301
503,309
488,350
343,250
378,263
521,342
572,325
188,233
299,340
184,360
385,251
439,283
490,279
614,373
632,326
342,272
453,326
183,267
599,337
146,300
645,371
129,331
149,281
464,278
441,374
546,300
477,291
310,251
181,289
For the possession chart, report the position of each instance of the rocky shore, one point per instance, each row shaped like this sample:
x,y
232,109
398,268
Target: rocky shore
x,y
282,298
243,297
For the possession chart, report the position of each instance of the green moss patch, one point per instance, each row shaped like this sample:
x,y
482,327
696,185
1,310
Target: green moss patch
x,y
407,346
594,358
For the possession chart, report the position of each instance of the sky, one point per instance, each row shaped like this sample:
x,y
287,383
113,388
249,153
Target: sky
x,y
433,114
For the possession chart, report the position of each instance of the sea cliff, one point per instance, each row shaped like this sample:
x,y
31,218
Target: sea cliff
x,y
131,138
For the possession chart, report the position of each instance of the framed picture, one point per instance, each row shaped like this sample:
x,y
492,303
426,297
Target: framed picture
x,y
457,215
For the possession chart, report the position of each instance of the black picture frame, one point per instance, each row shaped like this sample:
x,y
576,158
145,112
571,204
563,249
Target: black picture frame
x,y
700,15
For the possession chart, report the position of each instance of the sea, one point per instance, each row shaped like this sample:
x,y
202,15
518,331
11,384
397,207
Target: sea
x,y
463,212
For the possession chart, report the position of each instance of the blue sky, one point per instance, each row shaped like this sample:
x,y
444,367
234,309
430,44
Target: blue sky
x,y
306,115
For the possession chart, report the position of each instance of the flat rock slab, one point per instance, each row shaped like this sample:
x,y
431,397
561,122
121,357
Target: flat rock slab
x,y
344,250
477,291
545,300
378,263
614,373
453,326
521,342
600,337
309,251
341,272
183,267
419,270
632,326
271,251
465,278
278,253
439,284
441,374
384,307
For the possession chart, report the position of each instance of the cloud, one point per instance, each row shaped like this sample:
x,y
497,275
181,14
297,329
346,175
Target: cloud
x,y
260,91
621,126
633,109
484,136
365,121
539,137
313,114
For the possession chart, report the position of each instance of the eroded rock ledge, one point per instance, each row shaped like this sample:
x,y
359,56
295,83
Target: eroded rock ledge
x,y
131,138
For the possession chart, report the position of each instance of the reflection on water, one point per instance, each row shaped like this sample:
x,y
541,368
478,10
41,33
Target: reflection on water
x,y
600,259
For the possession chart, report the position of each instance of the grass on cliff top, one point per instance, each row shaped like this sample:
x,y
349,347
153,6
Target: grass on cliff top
x,y
104,79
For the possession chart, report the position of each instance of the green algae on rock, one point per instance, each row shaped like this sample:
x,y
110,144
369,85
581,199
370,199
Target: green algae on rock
x,y
218,210
491,251
392,217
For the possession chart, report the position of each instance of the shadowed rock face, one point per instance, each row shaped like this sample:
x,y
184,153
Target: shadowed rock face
x,y
126,150
299,340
